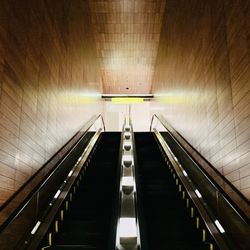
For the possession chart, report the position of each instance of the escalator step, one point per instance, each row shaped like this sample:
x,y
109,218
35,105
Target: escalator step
x,y
88,222
80,238
166,221
72,247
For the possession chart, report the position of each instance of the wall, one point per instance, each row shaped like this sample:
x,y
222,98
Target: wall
x,y
49,77
115,113
202,81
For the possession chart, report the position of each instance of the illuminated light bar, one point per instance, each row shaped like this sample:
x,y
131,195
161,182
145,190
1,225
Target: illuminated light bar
x,y
127,128
127,100
35,227
127,160
70,173
127,231
185,173
127,145
57,194
127,184
175,158
198,193
221,229
127,135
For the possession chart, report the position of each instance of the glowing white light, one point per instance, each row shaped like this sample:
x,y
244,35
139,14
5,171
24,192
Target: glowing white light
x,y
127,128
185,173
128,231
198,193
36,227
127,160
175,158
221,229
57,194
127,184
70,173
127,145
127,135
127,181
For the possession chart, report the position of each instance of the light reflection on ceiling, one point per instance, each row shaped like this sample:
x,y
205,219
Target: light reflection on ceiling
x,y
127,37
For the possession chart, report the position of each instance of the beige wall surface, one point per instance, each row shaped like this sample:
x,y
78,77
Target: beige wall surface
x,y
49,83
202,81
115,113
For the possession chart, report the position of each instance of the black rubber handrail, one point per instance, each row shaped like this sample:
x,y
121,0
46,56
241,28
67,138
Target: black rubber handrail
x,y
38,187
240,211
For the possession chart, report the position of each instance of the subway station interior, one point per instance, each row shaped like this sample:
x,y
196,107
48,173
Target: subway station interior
x,y
124,124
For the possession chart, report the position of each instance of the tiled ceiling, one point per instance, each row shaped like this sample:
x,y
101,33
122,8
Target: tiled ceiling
x,y
127,34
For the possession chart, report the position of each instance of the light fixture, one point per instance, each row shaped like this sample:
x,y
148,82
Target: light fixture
x,y
221,229
127,184
198,193
36,227
127,135
127,160
127,145
70,173
57,194
184,172
127,128
127,100
127,231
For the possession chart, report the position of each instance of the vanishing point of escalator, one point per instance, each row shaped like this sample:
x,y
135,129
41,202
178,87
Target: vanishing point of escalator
x,y
89,222
165,221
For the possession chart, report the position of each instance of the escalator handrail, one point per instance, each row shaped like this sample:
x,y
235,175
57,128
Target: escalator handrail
x,y
38,187
46,220
229,200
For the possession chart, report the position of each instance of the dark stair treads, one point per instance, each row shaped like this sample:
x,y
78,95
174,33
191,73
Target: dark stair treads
x,y
75,247
166,222
88,223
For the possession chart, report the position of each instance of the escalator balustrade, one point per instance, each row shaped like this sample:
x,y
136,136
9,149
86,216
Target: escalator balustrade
x,y
169,219
86,219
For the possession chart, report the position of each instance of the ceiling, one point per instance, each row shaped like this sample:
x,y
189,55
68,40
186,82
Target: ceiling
x,y
127,34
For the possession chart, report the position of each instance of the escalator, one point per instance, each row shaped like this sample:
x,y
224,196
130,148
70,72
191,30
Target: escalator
x,y
90,220
165,222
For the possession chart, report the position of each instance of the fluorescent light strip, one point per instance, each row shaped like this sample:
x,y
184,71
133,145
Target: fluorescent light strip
x,y
127,100
185,173
127,95
221,229
127,181
36,227
127,228
127,143
70,173
198,193
175,158
57,194
127,134
127,127
127,157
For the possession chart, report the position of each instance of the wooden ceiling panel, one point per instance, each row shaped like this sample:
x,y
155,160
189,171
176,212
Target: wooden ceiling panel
x,y
127,37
